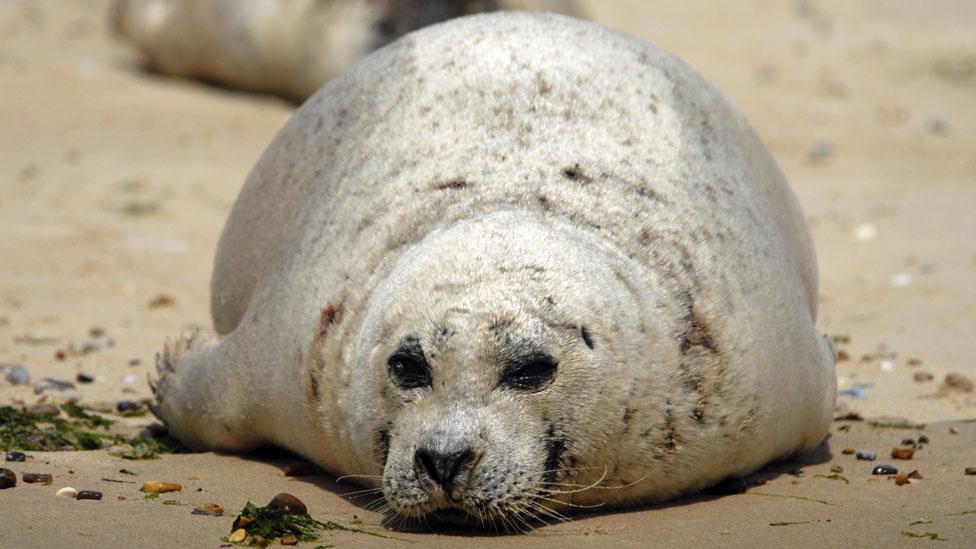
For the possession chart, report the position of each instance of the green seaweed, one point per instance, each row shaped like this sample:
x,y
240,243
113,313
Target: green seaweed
x,y
21,430
930,535
919,521
905,424
151,495
801,498
270,523
834,476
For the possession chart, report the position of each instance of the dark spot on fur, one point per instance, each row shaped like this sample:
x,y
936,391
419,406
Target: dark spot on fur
x,y
671,443
454,184
313,386
628,415
543,201
555,448
696,332
575,173
586,337
544,86
383,444
329,316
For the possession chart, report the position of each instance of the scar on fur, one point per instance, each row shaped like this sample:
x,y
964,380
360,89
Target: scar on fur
x,y
329,316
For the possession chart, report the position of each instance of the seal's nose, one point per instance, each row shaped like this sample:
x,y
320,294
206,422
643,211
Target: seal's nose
x,y
442,468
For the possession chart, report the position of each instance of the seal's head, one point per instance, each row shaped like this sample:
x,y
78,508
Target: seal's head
x,y
491,350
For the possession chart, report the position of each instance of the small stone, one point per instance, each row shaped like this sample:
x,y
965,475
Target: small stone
x,y
48,384
238,536
843,356
922,377
160,487
15,374
837,469
971,470
89,494
129,379
958,382
913,362
135,362
88,348
154,430
923,439
31,478
67,492
820,153
902,453
84,378
96,331
884,470
7,479
953,431
289,539
937,126
303,469
288,504
848,451
901,479
13,455
162,300
866,456
46,409
908,442
124,406
208,509
915,475
865,232
260,541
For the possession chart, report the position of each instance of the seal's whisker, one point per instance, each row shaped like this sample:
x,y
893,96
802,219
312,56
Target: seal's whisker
x,y
374,477
357,493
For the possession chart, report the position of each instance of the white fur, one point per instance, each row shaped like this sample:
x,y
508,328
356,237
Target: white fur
x,y
285,47
506,181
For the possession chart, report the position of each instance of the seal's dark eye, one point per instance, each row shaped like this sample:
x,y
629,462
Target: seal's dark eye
x,y
409,369
529,372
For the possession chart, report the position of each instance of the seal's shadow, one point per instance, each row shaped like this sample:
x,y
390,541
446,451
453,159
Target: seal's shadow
x,y
370,502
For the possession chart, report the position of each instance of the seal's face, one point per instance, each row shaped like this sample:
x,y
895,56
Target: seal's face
x,y
485,414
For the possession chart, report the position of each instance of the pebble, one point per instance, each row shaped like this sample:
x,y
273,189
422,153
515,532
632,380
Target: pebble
x,y
7,479
820,153
922,377
67,492
31,478
953,431
937,126
96,331
303,469
208,509
289,539
13,455
884,470
89,494
866,456
848,451
865,232
15,374
128,406
837,469
46,409
959,382
135,362
84,378
160,487
129,379
288,504
901,479
902,453
238,536
908,442
971,470
923,439
48,384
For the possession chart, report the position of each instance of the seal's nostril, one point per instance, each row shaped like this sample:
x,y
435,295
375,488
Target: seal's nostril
x,y
442,468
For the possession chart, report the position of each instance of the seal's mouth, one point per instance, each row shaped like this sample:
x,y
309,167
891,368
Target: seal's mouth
x,y
451,516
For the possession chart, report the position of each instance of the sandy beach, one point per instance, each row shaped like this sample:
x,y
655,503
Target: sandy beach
x,y
115,183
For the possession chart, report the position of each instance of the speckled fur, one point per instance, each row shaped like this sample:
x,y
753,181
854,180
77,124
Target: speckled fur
x,y
496,183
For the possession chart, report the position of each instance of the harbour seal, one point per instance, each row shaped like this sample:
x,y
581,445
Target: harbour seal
x,y
284,47
508,264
